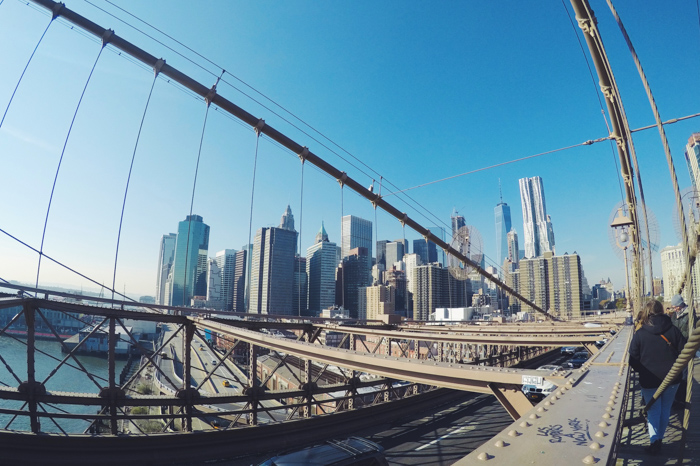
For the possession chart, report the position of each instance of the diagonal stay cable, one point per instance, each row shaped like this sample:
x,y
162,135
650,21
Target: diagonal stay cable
x,y
586,143
65,348
60,160
145,353
71,353
68,268
128,179
19,81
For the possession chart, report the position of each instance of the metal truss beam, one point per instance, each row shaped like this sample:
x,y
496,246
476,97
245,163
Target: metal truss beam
x,y
580,423
534,339
449,375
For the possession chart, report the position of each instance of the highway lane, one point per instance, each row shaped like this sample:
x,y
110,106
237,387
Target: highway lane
x,y
443,436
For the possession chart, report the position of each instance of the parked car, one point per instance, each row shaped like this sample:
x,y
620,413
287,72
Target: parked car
x,y
351,451
578,359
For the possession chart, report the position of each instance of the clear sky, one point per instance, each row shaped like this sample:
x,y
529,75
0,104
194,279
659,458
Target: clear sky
x,y
418,91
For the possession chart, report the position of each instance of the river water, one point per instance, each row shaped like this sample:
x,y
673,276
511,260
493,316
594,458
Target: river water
x,y
66,379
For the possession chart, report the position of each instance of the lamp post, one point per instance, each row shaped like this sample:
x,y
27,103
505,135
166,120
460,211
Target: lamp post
x,y
620,226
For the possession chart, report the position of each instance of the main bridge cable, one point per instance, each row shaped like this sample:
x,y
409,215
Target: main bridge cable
x,y
282,139
693,343
631,154
156,70
106,35
417,205
587,22
56,9
597,94
426,211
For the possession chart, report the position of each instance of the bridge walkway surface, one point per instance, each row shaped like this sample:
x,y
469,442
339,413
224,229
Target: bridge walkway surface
x,y
675,450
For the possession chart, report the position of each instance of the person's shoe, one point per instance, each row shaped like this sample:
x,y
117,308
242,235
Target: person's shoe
x,y
654,448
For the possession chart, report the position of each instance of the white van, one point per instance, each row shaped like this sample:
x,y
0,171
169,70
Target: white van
x,y
536,388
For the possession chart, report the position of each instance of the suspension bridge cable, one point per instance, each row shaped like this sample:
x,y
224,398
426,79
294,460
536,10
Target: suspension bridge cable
x,y
586,143
342,213
64,266
690,253
189,218
128,179
597,94
430,213
25,70
301,223
250,221
60,160
152,38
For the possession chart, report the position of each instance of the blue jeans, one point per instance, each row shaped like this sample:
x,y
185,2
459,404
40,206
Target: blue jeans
x,y
657,416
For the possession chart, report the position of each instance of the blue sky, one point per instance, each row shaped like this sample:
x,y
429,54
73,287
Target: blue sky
x,y
416,90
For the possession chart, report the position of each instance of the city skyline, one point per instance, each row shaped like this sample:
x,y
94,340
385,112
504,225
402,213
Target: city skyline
x,y
531,109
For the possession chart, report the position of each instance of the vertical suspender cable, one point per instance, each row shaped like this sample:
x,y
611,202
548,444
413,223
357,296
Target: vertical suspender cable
x,y
128,179
301,220
249,263
25,70
189,223
342,252
63,151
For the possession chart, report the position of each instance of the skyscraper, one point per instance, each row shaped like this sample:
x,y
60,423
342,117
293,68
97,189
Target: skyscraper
x,y
356,233
503,227
441,234
513,251
537,225
301,287
239,282
165,263
457,223
692,158
272,272
320,269
226,261
352,275
394,253
381,253
287,220
554,283
189,270
214,288
430,284
426,250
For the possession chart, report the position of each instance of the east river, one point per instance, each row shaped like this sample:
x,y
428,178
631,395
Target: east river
x,y
66,379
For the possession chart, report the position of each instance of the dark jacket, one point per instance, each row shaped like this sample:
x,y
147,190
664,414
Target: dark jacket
x,y
650,355
681,322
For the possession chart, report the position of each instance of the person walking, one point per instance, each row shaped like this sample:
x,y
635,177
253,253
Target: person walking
x,y
679,318
653,350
